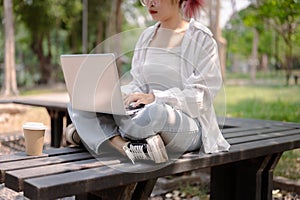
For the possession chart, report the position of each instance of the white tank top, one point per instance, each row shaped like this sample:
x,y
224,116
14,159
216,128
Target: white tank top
x,y
161,69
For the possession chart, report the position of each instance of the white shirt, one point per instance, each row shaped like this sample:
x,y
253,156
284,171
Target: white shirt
x,y
201,80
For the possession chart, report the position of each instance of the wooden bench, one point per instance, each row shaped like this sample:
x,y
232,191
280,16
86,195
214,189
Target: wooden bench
x,y
245,172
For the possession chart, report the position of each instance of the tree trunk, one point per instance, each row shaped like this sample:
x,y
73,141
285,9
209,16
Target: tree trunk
x,y
45,66
100,35
253,62
214,20
265,63
115,27
289,55
10,80
85,26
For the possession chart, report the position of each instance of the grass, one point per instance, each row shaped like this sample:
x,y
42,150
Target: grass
x,y
264,102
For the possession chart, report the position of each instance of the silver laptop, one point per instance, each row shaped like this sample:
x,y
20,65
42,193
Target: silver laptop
x,y
93,84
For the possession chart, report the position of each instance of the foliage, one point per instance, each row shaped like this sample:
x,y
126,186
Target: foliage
x,y
277,22
284,22
239,35
46,29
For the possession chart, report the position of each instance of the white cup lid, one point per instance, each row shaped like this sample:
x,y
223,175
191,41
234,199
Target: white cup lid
x,y
34,126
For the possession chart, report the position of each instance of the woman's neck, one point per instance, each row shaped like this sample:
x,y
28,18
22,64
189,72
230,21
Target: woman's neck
x,y
176,23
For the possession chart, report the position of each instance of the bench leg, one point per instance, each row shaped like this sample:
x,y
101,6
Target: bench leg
x,y
140,191
143,189
57,122
118,193
248,179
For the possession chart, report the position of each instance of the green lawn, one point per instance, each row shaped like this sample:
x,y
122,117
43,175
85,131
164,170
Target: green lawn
x,y
264,102
280,103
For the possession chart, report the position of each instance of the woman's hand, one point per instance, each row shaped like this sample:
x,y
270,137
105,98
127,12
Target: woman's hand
x,y
138,98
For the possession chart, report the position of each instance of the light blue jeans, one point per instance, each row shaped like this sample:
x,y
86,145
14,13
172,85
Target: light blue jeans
x,y
179,132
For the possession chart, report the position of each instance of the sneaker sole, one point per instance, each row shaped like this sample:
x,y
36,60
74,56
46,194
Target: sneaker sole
x,y
157,149
70,135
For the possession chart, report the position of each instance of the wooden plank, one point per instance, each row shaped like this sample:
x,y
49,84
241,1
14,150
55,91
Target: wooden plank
x,y
239,129
260,136
46,153
101,178
65,150
22,164
56,186
59,105
247,132
14,179
269,146
251,123
21,156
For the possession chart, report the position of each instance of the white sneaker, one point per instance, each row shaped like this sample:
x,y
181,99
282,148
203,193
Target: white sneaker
x,y
72,135
154,149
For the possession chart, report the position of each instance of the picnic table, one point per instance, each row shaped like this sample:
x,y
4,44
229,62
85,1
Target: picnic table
x,y
245,172
56,107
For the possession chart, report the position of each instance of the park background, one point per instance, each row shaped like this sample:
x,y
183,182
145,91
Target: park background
x,y
259,47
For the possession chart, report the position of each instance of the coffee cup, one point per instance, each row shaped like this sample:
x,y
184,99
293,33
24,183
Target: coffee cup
x,y
34,138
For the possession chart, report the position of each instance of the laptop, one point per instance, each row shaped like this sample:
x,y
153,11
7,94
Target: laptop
x,y
93,84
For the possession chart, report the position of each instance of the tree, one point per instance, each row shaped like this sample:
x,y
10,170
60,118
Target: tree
x,y
10,80
283,16
214,21
84,25
253,20
257,19
40,21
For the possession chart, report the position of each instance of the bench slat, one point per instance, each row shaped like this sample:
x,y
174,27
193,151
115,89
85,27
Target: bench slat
x,y
22,164
247,132
43,161
263,135
227,131
46,153
252,123
14,179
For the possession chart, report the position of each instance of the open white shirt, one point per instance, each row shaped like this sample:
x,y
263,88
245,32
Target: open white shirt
x,y
200,76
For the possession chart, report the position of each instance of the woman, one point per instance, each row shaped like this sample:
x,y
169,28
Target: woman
x,y
176,75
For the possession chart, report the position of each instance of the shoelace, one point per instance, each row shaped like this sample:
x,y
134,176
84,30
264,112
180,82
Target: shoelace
x,y
135,152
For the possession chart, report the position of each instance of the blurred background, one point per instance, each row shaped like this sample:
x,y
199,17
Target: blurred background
x,y
256,38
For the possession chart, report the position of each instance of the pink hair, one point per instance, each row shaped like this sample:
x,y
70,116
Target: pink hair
x,y
191,7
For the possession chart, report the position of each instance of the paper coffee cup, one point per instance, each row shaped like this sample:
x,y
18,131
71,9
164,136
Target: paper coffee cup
x,y
34,138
